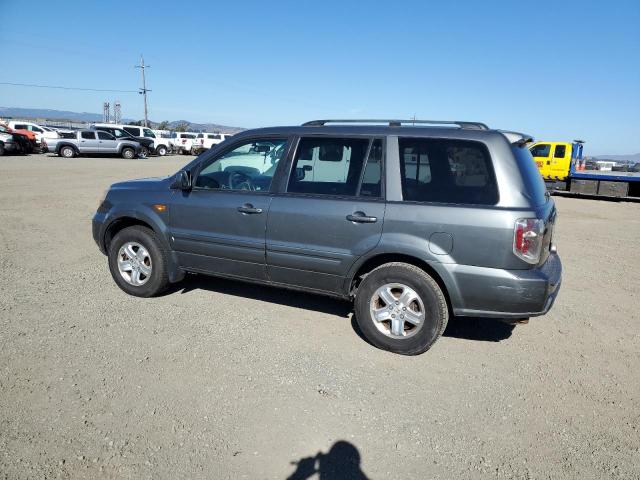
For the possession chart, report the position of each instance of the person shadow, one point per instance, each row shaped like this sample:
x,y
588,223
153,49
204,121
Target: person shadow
x,y
342,462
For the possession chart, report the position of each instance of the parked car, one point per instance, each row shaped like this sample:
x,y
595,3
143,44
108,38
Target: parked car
x,y
468,224
184,142
39,131
93,142
26,140
119,133
8,143
161,146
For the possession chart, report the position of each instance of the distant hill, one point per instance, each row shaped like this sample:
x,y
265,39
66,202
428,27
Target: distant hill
x,y
634,158
86,117
50,114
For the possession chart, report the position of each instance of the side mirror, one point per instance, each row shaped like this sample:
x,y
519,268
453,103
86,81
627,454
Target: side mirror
x,y
182,181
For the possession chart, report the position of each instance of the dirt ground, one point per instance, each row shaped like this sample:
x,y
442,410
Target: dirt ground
x,y
222,380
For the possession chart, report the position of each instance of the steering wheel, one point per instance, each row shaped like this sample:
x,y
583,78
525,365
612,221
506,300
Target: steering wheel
x,y
240,181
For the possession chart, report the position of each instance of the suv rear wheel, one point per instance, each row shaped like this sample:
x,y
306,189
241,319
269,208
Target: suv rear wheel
x,y
400,308
161,150
137,262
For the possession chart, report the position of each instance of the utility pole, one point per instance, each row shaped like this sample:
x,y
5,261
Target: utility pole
x,y
143,91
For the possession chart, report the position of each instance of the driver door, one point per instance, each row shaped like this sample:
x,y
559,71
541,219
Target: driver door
x,y
219,226
107,142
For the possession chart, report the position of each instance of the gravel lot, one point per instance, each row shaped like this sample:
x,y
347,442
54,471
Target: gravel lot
x,y
223,380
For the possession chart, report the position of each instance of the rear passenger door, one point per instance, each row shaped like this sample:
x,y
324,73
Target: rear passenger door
x,y
330,213
560,161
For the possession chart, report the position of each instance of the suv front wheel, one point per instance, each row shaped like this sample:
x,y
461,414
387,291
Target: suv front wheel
x,y
137,262
400,308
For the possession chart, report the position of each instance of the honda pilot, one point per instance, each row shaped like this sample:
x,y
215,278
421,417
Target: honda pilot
x,y
413,221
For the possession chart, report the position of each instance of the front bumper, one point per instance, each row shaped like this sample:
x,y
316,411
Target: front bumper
x,y
490,292
97,229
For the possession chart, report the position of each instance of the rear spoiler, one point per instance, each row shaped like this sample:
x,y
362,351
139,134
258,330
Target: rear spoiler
x,y
517,138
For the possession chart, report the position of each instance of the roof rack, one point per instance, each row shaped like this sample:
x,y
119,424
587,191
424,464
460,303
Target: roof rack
x,y
398,123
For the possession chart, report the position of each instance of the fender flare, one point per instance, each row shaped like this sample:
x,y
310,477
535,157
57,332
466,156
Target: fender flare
x,y
67,144
152,219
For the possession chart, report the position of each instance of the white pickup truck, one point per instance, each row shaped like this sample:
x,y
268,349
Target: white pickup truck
x,y
40,131
184,142
204,141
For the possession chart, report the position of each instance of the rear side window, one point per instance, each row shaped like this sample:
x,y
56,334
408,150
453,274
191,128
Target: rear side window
x,y
133,131
560,151
533,181
328,166
88,135
447,171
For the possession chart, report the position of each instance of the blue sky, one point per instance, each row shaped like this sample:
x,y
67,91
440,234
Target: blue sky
x,y
558,70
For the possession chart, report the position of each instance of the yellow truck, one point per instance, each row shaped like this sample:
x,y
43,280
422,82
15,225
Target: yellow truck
x,y
554,158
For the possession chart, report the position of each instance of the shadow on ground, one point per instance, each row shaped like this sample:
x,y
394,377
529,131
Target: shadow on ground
x,y
468,328
341,462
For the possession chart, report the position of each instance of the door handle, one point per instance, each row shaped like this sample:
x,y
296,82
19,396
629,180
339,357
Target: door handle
x,y
360,217
247,208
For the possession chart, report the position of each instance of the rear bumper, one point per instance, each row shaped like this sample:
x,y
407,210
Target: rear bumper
x,y
490,292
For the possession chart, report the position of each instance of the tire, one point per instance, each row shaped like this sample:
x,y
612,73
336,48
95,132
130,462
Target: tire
x,y
403,278
67,152
128,153
144,153
1,149
161,150
194,151
148,285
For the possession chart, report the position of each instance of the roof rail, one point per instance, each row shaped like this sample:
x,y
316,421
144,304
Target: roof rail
x,y
398,123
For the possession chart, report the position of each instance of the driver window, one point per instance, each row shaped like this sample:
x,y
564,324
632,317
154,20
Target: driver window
x,y
105,136
249,166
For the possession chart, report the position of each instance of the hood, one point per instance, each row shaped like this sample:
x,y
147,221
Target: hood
x,y
152,183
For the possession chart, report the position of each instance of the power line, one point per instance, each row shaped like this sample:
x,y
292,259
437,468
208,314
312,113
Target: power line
x,y
67,88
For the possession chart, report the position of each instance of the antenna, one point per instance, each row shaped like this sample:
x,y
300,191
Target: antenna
x,y
143,91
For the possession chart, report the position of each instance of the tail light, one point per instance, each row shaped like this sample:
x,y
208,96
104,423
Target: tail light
x,y
184,141
527,239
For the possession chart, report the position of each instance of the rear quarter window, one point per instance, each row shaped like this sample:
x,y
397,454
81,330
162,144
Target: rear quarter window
x,y
533,181
447,171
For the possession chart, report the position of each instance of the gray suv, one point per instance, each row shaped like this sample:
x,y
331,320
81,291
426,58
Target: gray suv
x,y
415,221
